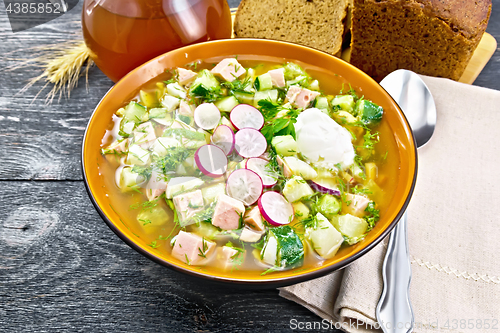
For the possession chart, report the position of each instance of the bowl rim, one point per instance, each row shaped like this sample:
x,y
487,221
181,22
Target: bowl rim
x,y
264,282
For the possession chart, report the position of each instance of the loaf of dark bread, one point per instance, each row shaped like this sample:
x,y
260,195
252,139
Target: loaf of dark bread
x,y
431,37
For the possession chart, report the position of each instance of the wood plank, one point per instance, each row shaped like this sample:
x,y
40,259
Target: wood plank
x,y
40,141
62,268
486,48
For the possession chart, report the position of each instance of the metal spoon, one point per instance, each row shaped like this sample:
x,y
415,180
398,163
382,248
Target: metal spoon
x,y
394,312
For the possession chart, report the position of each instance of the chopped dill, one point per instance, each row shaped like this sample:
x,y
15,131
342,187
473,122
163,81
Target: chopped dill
x,y
145,221
154,244
271,270
173,157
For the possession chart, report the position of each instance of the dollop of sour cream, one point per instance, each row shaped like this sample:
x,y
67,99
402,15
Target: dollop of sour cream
x,y
322,141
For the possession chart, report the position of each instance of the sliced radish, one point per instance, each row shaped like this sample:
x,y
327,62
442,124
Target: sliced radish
x,y
244,185
325,185
211,160
246,116
250,142
275,208
260,167
223,138
206,116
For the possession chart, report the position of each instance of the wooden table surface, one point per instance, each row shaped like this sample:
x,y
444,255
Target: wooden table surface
x,y
61,267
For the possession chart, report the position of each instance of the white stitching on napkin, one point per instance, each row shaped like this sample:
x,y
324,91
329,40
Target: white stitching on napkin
x,y
456,272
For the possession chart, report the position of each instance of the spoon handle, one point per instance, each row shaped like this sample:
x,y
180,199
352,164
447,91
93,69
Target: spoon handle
x,y
394,312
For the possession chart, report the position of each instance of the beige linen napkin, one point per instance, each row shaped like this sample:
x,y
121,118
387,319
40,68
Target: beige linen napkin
x,y
454,229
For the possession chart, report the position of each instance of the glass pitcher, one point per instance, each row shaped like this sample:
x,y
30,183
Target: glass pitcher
x,y
123,34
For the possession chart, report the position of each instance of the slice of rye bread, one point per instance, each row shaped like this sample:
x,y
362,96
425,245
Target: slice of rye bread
x,y
315,23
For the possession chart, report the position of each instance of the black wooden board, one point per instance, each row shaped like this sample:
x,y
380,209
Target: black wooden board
x,y
61,268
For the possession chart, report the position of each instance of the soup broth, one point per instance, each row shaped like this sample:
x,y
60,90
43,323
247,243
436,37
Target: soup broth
x,y
346,199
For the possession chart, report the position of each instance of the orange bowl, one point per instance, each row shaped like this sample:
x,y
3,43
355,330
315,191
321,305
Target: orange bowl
x,y
128,87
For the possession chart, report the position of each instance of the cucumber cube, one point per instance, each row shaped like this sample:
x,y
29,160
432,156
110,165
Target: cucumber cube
x,y
283,247
291,249
158,113
244,97
285,145
321,103
351,226
135,112
152,218
325,239
170,103
369,112
137,155
176,90
345,102
126,127
271,95
180,185
293,70
130,179
206,78
300,168
205,229
161,116
296,188
210,193
226,104
204,83
263,82
314,85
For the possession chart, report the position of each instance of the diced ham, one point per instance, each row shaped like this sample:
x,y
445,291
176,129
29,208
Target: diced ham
x,y
185,76
254,219
250,236
284,167
226,256
186,109
301,97
192,249
229,69
292,93
306,97
265,156
227,212
156,185
187,205
144,135
178,124
278,77
357,206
